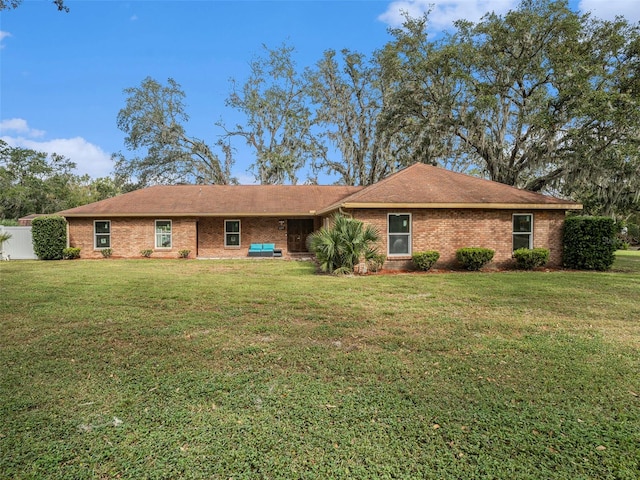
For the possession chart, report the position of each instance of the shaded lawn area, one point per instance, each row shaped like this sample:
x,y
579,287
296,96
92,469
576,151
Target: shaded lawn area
x,y
262,369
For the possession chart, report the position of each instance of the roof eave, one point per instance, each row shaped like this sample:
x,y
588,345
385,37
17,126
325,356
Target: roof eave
x,y
311,213
451,205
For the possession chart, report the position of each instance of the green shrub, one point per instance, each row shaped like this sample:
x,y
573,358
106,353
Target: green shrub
x,y
474,258
425,260
49,237
106,252
340,248
146,253
528,259
588,243
184,253
71,253
622,245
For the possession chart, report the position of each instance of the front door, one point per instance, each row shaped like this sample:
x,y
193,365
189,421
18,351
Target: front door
x,y
297,232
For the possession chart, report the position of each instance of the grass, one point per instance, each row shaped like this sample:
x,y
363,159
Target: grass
x,y
213,369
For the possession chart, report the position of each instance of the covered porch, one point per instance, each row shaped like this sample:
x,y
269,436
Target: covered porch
x,y
232,237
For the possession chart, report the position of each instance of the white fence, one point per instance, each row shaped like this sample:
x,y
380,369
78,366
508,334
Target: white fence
x,y
20,245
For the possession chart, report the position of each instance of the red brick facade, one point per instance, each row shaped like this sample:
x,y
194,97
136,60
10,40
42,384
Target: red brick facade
x,y
252,230
447,230
444,230
204,237
131,235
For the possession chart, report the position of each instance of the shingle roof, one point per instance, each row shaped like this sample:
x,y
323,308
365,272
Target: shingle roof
x,y
426,186
217,200
417,186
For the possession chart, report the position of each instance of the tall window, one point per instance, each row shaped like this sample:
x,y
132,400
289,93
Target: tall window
x,y
163,233
232,233
102,233
399,233
522,230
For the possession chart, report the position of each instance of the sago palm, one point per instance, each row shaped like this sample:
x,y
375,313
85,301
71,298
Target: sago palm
x,y
345,244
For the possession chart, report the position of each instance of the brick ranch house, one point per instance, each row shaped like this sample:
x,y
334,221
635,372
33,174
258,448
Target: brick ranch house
x,y
419,208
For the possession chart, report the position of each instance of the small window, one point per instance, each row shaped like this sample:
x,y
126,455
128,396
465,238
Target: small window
x,y
399,234
522,231
163,233
102,233
232,233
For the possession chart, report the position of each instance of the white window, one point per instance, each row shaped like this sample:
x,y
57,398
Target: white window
x,y
163,233
232,233
522,230
399,234
102,234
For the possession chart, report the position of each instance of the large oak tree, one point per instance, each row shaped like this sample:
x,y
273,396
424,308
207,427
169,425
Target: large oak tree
x,y
277,120
153,120
541,98
348,96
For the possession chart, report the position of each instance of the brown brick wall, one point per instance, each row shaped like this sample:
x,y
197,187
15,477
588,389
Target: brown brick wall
x,y
252,230
131,235
441,230
448,230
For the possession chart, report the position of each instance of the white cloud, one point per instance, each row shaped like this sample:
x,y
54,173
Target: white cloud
x,y
133,18
89,158
443,12
19,126
3,35
608,9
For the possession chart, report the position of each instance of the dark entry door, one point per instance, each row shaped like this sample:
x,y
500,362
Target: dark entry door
x,y
297,232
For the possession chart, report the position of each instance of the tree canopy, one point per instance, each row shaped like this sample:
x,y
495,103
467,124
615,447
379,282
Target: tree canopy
x,y
34,182
348,96
153,120
278,120
541,98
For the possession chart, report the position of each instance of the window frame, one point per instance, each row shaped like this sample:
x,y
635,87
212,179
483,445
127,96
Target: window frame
x,y
239,233
96,234
514,233
408,234
157,234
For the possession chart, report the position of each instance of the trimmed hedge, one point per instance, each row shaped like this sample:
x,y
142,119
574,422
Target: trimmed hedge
x,y
71,253
425,260
588,243
49,237
474,258
528,259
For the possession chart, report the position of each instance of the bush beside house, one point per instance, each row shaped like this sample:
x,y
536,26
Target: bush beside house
x,y
528,259
49,237
71,253
589,243
425,260
474,258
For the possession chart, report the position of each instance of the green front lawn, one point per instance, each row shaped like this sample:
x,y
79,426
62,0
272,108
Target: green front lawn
x,y
262,369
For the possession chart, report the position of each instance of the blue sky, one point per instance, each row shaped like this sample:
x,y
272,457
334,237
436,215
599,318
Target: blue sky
x,y
62,75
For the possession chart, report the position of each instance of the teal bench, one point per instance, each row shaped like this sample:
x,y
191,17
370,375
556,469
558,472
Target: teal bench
x,y
264,250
